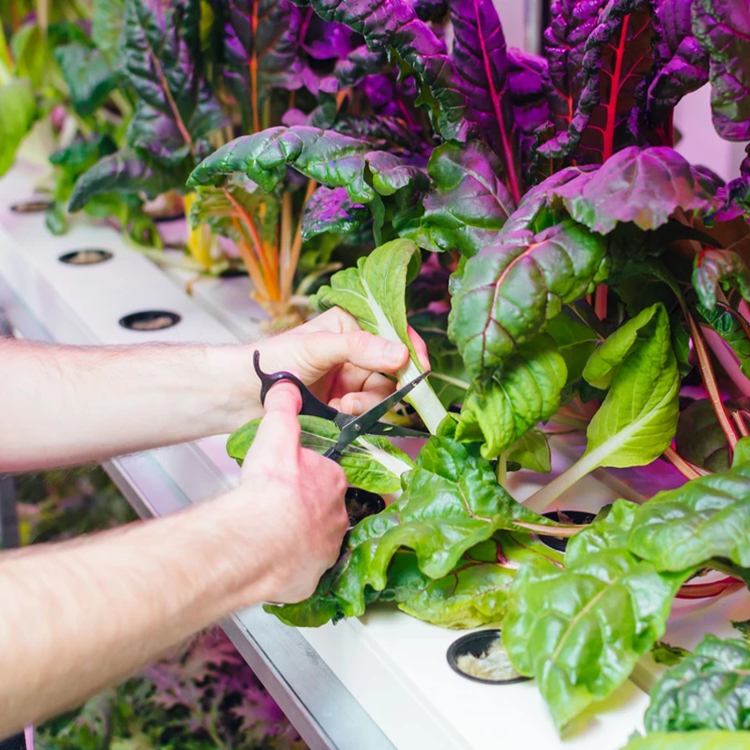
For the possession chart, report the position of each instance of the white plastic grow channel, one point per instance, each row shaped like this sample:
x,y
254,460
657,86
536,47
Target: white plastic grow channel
x,y
377,682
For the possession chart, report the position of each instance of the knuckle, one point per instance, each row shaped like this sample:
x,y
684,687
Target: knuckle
x,y
360,341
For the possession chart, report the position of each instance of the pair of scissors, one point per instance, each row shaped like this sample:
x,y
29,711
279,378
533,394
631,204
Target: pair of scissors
x,y
351,427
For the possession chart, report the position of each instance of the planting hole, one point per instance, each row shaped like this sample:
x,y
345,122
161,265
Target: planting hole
x,y
232,273
150,320
360,504
86,257
575,517
482,657
31,207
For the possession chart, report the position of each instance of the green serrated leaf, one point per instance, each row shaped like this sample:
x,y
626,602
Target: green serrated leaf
x,y
665,653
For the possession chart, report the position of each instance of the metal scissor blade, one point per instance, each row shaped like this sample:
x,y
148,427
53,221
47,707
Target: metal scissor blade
x,y
362,424
395,430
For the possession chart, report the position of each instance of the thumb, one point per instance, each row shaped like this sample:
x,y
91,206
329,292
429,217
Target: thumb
x,y
278,436
326,350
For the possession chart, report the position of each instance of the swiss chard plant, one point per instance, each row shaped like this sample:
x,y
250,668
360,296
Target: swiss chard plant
x,y
168,83
598,287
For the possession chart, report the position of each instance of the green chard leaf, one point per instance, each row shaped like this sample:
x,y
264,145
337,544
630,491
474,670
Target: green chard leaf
x,y
741,452
643,186
374,292
664,653
17,114
333,159
580,630
732,328
106,28
447,372
370,462
468,202
700,438
122,172
510,289
700,740
451,502
88,75
719,268
473,594
638,418
708,689
575,340
742,626
531,451
526,392
705,518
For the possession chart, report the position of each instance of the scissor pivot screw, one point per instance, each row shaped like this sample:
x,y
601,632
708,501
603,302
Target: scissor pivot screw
x,y
358,428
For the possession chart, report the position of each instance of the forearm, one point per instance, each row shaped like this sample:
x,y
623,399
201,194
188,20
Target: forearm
x,y
72,405
78,616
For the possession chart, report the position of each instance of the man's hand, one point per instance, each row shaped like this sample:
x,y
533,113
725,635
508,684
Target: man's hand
x,y
339,362
296,496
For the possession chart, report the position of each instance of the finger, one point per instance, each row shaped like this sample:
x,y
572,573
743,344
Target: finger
x,y
278,435
334,320
358,403
419,347
362,349
351,379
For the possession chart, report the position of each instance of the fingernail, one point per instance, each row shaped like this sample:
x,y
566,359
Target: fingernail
x,y
356,406
394,352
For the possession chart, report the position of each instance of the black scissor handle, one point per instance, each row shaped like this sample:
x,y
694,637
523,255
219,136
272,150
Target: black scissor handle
x,y
311,405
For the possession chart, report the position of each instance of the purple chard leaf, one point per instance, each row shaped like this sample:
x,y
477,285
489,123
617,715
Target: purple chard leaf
x,y
393,26
481,56
723,28
682,61
618,56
